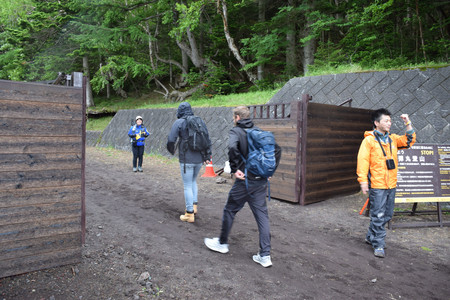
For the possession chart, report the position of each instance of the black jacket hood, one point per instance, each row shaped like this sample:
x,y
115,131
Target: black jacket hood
x,y
184,110
245,123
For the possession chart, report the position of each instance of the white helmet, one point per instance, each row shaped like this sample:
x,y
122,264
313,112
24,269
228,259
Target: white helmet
x,y
139,117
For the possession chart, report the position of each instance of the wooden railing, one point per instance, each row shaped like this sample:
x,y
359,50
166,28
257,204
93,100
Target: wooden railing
x,y
270,111
349,101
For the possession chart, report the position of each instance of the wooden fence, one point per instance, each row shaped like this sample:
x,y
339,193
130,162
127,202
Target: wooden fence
x,y
320,144
42,136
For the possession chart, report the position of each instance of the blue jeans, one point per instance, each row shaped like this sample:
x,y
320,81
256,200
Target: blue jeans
x,y
190,184
256,198
381,211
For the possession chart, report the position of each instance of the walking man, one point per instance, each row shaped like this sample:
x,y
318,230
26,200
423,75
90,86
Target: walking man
x,y
377,173
191,160
251,189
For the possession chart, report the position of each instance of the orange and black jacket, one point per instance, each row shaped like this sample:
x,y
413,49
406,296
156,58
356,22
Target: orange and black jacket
x,y
372,166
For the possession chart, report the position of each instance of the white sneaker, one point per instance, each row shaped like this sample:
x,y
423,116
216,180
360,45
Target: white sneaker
x,y
264,261
215,245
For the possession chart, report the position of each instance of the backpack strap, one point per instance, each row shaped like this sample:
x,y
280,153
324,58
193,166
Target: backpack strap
x,y
245,162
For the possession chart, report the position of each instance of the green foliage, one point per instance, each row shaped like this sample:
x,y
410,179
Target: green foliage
x,y
133,44
12,63
218,81
98,124
188,17
12,11
262,48
117,70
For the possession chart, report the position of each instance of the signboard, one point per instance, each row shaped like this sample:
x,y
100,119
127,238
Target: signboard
x,y
424,174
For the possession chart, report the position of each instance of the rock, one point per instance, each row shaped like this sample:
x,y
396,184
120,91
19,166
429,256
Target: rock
x,y
220,180
144,276
128,293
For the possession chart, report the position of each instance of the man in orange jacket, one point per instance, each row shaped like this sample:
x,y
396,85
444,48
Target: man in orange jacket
x,y
377,172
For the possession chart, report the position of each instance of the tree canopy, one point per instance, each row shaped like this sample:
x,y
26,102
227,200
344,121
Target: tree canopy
x,y
182,47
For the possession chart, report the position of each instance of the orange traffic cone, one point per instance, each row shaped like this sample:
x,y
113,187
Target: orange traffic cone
x,y
209,170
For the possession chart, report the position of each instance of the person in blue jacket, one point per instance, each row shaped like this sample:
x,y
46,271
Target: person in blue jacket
x,y
138,133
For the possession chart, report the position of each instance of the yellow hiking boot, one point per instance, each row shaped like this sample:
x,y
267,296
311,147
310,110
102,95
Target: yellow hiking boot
x,y
195,209
187,217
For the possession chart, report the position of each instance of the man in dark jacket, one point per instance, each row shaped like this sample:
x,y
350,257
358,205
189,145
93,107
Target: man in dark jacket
x,y
190,161
254,194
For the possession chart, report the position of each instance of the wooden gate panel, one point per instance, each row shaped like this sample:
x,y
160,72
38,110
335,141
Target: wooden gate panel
x,y
21,91
42,144
14,233
48,244
320,144
285,130
39,261
34,213
41,176
334,134
39,127
39,161
49,111
22,197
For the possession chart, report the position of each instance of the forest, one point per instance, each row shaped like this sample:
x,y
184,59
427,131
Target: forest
x,y
181,48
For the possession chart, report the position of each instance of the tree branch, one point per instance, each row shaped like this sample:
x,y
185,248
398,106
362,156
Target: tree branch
x,y
224,14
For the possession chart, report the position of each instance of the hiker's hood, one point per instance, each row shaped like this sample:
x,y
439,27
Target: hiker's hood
x,y
184,110
245,123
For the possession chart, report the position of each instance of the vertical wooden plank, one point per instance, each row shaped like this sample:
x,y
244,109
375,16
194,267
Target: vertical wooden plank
x,y
83,167
304,129
298,161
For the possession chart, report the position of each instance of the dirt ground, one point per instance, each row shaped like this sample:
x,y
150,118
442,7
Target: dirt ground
x,y
318,251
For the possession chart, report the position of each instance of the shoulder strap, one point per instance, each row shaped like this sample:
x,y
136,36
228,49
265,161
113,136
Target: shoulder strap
x,y
379,142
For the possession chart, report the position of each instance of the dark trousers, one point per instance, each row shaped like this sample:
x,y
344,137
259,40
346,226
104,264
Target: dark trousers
x,y
256,198
382,204
138,154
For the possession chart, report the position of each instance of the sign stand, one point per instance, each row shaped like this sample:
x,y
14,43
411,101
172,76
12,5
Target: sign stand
x,y
423,176
413,212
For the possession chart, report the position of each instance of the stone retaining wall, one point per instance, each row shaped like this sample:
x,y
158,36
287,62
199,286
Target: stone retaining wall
x,y
423,94
159,122
93,137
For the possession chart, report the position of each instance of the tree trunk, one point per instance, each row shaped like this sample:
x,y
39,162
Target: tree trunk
x,y
178,96
89,97
309,48
262,18
222,10
185,62
308,54
291,55
420,31
108,90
